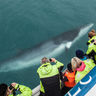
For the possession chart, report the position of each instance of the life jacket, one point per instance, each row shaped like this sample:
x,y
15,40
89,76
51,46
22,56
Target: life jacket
x,y
71,79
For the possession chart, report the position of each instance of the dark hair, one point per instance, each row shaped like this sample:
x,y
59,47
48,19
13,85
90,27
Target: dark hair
x,y
69,67
3,89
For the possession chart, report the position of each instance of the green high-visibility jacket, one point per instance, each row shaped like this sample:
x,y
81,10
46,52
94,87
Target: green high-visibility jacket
x,y
93,38
91,47
47,70
90,63
25,91
89,66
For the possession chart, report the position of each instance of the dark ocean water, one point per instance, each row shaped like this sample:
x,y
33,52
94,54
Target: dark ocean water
x,y
26,23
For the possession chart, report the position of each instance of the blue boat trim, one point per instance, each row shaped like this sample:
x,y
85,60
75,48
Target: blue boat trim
x,y
85,86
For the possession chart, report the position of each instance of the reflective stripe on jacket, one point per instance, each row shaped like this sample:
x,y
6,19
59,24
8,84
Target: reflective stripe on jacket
x,y
90,41
71,79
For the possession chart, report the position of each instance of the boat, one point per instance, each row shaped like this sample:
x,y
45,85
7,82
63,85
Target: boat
x,y
86,87
36,91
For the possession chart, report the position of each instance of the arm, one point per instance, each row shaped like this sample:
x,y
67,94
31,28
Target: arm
x,y
65,79
58,64
90,48
25,91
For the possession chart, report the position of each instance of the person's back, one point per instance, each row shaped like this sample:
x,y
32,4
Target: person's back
x,y
91,52
90,63
50,78
80,74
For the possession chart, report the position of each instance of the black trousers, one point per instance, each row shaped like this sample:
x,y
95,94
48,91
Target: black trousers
x,y
65,90
44,94
41,94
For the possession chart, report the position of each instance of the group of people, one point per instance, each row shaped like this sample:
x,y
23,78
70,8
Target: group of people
x,y
53,81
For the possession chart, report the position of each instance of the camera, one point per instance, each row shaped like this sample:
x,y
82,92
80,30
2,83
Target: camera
x,y
50,59
11,87
14,90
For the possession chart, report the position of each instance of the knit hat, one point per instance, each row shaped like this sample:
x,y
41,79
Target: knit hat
x,y
79,53
92,33
3,89
75,62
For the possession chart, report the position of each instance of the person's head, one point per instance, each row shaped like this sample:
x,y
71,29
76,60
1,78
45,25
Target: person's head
x,y
69,67
79,54
75,62
91,34
44,60
5,90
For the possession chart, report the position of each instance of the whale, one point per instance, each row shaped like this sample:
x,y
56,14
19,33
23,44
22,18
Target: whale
x,y
49,48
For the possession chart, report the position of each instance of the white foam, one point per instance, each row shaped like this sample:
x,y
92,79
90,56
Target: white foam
x,y
82,32
68,45
36,56
20,64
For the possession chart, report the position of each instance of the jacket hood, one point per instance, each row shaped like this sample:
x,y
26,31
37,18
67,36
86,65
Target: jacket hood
x,y
46,68
82,67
